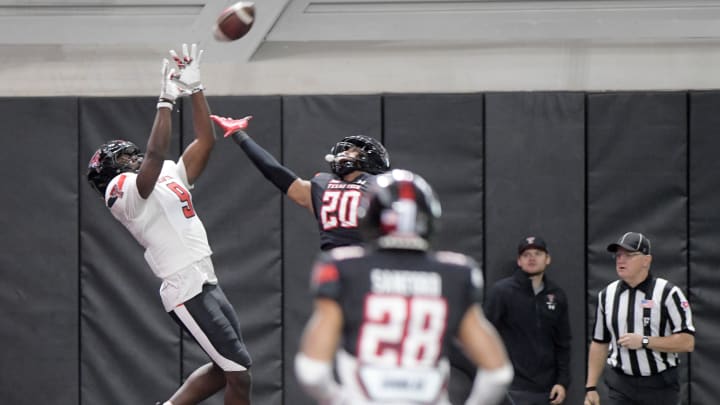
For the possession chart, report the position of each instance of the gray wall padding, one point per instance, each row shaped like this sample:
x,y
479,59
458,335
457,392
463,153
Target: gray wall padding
x,y
534,180
704,255
39,259
311,126
419,132
248,265
637,181
242,214
129,345
441,138
82,316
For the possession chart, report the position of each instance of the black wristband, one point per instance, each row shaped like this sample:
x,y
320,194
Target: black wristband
x,y
588,389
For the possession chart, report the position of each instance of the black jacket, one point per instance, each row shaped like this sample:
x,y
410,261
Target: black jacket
x,y
535,330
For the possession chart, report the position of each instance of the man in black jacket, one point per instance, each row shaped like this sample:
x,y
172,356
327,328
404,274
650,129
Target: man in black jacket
x,y
531,314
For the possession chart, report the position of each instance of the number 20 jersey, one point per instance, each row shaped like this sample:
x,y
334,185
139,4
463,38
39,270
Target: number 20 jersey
x,y
401,311
165,223
335,203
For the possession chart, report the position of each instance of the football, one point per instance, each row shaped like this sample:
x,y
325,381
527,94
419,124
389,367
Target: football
x,y
234,22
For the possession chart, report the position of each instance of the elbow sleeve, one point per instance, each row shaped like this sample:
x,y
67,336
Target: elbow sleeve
x,y
316,378
490,386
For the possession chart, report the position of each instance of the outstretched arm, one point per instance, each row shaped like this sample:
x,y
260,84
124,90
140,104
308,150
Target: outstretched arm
x,y
297,189
159,141
196,155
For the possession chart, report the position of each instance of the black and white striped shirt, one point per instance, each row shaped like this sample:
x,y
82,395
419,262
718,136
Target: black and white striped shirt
x,y
656,307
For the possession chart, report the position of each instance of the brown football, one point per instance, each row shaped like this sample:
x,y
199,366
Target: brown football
x,y
235,21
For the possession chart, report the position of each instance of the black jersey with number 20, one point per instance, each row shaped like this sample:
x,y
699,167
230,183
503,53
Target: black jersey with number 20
x,y
335,203
401,310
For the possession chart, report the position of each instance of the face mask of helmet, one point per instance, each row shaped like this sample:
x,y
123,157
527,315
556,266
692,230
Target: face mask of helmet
x,y
371,158
108,162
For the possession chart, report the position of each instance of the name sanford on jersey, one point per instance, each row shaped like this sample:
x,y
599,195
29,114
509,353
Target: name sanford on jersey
x,y
405,282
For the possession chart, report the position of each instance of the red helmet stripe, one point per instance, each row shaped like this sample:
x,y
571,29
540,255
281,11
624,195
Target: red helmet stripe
x,y
406,191
325,273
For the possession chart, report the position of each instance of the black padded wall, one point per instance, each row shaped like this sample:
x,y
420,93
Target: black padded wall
x,y
242,214
637,181
440,137
82,317
129,345
704,233
311,126
39,259
534,181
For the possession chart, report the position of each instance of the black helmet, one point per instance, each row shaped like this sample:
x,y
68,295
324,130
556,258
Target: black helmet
x,y
400,204
104,164
373,158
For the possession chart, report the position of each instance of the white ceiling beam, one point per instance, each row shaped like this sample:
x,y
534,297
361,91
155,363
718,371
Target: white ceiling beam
x,y
493,21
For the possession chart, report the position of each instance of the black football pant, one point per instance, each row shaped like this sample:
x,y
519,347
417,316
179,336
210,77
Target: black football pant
x,y
660,389
211,320
515,397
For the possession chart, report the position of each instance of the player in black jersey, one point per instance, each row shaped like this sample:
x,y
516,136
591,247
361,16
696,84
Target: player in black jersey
x,y
390,310
332,197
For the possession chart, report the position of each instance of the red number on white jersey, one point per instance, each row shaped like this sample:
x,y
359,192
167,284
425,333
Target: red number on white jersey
x,y
402,331
339,209
184,196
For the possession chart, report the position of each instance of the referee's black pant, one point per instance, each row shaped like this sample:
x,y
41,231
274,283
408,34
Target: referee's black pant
x,y
659,389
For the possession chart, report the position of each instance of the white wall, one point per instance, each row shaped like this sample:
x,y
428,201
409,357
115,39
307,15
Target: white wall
x,y
114,48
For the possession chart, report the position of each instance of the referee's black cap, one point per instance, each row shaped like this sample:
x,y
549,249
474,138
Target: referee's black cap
x,y
532,242
632,242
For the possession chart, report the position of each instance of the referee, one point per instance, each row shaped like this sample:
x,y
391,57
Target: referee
x,y
642,322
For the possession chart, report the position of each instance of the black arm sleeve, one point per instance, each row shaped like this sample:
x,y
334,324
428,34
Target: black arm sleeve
x,y
279,175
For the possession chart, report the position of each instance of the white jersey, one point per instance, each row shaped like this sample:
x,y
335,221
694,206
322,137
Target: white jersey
x,y
165,223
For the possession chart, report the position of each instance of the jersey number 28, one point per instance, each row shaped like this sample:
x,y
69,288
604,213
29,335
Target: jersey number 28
x,y
402,331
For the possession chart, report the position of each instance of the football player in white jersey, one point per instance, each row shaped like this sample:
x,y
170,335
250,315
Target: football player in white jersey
x,y
388,312
151,197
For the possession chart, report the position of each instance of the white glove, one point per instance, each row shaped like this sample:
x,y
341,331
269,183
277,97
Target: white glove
x,y
169,90
189,68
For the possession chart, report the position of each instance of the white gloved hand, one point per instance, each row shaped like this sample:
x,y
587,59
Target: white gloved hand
x,y
189,68
169,89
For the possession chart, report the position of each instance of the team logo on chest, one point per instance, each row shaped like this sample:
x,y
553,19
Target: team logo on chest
x,y
116,192
550,302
